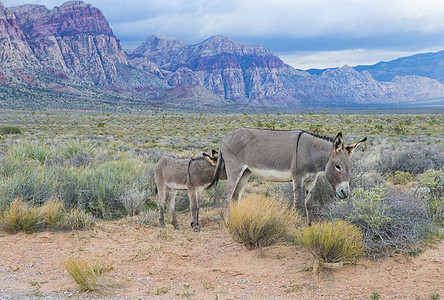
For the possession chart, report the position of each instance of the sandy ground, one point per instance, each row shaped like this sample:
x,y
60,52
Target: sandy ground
x,y
156,263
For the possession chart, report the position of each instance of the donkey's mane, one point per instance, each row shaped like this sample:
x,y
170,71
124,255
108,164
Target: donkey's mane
x,y
324,137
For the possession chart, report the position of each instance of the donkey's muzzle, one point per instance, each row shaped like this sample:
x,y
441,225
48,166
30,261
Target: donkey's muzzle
x,y
343,190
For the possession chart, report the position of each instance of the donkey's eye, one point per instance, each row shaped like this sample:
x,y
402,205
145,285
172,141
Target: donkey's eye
x,y
338,167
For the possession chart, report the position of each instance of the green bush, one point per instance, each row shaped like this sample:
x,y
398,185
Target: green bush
x,y
10,130
332,242
389,220
431,190
257,221
400,177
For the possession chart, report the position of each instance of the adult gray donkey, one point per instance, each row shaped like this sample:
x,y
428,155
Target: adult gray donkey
x,y
284,156
180,174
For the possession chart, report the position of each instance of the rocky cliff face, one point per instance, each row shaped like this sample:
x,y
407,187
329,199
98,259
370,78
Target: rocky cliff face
x,y
246,74
75,41
72,40
16,57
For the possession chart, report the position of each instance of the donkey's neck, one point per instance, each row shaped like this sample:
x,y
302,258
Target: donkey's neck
x,y
322,151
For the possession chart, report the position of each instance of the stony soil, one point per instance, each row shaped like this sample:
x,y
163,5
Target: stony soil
x,y
156,263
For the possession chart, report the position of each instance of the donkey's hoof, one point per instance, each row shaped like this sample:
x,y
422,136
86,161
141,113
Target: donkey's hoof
x,y
196,229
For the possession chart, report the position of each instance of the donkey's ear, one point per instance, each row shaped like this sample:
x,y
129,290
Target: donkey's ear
x,y
208,158
355,146
338,143
215,153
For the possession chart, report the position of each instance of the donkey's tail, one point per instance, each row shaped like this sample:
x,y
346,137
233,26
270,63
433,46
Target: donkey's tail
x,y
215,179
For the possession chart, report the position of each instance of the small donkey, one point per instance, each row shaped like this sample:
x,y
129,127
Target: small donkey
x,y
179,174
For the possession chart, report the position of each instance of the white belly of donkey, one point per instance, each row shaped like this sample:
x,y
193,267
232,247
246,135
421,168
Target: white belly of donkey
x,y
272,175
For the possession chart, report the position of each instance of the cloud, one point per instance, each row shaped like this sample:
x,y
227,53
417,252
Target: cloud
x,y
279,25
334,59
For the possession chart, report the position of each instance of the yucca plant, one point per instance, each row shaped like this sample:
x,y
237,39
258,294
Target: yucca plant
x,y
76,147
38,152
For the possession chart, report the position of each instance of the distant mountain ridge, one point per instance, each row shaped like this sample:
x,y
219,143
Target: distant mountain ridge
x,y
71,51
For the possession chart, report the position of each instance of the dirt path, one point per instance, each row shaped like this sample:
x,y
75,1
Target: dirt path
x,y
155,263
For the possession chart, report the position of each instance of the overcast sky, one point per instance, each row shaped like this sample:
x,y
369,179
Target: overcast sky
x,y
303,33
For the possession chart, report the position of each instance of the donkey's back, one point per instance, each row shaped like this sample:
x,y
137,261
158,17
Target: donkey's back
x,y
171,173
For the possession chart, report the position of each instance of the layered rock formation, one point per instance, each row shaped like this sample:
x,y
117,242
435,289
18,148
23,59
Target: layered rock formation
x,y
75,41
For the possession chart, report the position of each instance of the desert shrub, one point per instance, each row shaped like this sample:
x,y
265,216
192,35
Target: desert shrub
x,y
85,273
18,152
332,242
96,189
400,127
431,190
10,130
412,157
20,216
27,217
257,221
390,221
400,177
133,200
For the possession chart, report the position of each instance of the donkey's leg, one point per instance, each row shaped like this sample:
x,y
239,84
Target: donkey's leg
x,y
161,203
237,195
233,176
309,186
171,199
193,194
298,196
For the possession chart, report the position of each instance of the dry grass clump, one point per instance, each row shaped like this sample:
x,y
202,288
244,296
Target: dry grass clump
x,y
22,216
85,273
332,243
77,219
149,218
258,221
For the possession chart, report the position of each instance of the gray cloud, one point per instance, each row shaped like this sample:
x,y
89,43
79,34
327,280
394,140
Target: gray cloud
x,y
288,27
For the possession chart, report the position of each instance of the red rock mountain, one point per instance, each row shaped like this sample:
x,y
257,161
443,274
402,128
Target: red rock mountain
x,y
71,50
